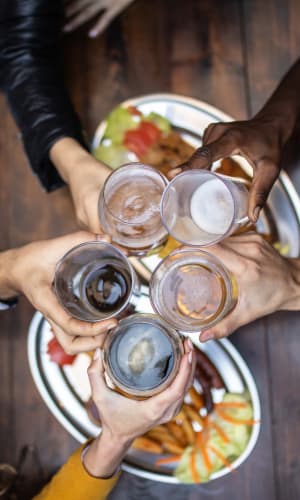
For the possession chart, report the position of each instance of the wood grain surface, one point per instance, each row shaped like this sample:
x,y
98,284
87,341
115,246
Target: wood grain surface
x,y
230,53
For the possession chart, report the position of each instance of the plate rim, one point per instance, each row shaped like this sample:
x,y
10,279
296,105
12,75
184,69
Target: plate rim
x,y
283,178
34,327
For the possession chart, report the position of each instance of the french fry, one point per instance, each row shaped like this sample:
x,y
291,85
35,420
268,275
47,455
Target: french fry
x,y
146,444
168,442
187,426
173,448
197,399
177,432
193,414
160,435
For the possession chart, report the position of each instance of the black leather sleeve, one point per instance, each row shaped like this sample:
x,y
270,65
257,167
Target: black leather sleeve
x,y
31,76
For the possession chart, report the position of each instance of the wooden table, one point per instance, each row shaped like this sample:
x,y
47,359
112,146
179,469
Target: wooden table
x,y
230,53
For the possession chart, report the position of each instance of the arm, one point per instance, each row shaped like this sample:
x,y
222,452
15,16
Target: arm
x,y
266,281
72,482
76,481
31,77
29,270
260,140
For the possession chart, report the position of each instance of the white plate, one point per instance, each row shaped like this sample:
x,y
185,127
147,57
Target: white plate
x,y
65,391
190,117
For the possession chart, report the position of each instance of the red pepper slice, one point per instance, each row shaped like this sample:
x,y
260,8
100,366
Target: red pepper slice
x,y
57,354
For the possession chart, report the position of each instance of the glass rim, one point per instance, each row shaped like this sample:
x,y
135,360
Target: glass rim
x,y
225,273
125,260
225,181
131,165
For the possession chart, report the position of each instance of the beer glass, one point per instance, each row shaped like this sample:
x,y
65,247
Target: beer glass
x,y
129,208
201,208
95,281
142,355
192,290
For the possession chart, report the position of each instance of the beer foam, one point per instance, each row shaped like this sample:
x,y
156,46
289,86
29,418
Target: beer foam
x,y
212,207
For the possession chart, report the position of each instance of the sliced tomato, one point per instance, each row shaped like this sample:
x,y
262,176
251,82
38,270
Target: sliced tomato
x,y
136,142
133,111
151,130
142,138
57,354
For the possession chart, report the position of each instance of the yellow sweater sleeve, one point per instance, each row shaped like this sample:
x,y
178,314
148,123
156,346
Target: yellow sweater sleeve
x,y
72,482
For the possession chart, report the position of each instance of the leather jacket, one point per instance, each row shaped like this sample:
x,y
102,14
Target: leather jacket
x,y
31,76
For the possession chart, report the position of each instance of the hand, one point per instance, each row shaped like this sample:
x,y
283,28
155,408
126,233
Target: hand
x,y
119,428
85,177
32,269
266,281
78,12
258,140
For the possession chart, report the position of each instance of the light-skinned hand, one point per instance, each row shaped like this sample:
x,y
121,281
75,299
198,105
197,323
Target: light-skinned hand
x,y
267,282
124,419
32,270
78,12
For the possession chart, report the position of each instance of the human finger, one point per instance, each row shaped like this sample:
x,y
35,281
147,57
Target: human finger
x,y
227,326
265,175
103,22
203,158
76,345
213,132
81,18
53,311
96,376
74,6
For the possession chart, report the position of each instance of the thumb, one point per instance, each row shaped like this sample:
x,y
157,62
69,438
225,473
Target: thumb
x,y
264,177
227,326
205,156
96,376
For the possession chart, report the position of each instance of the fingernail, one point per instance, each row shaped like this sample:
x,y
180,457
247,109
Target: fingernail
x,y
66,28
190,344
93,34
190,357
256,213
97,354
206,336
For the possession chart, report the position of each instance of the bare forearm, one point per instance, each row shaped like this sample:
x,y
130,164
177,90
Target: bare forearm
x,y
8,288
73,161
292,292
104,455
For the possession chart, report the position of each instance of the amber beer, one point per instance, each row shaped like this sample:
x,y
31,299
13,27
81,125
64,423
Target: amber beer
x,y
192,290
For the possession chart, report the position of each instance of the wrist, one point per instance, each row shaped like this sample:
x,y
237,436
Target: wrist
x,y
8,284
105,454
66,154
292,292
280,118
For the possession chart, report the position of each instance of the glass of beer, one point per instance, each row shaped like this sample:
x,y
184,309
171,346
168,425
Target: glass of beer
x,y
142,356
95,281
129,208
192,290
201,208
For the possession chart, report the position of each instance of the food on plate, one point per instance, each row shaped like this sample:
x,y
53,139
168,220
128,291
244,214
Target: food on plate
x,y
205,436
131,136
223,438
210,431
57,353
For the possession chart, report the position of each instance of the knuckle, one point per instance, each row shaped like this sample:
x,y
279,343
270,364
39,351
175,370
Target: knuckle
x,y
257,248
234,134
